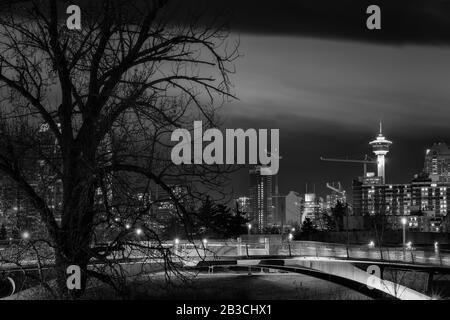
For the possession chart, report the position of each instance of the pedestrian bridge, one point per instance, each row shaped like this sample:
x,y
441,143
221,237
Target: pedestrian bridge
x,y
211,249
376,272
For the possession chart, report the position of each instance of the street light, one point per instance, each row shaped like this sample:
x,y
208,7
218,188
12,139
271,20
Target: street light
x,y
127,226
371,244
404,236
409,245
139,231
25,235
176,245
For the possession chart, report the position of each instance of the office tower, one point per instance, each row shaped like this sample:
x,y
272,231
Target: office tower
x,y
164,207
243,205
338,194
293,208
312,206
262,188
17,213
437,162
279,210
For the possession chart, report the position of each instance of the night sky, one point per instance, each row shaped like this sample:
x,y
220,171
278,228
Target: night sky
x,y
314,71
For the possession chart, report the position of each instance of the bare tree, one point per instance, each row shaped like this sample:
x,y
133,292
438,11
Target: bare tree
x,y
95,108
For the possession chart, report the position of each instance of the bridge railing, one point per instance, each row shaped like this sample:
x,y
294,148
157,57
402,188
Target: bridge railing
x,y
411,255
219,249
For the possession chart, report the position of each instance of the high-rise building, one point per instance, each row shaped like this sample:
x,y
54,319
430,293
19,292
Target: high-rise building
x,y
423,202
243,205
437,162
17,213
374,199
293,208
312,207
48,184
338,194
164,207
262,188
279,210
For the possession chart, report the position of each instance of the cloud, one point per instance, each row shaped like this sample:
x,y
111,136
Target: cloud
x,y
402,21
348,83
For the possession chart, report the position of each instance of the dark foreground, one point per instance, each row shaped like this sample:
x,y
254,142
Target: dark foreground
x,y
221,286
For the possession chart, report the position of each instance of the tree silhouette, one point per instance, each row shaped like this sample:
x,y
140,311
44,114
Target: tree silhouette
x,y
308,227
214,221
338,212
107,97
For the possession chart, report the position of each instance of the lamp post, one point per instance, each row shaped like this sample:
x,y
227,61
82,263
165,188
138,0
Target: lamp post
x,y
176,244
249,227
404,236
347,227
291,237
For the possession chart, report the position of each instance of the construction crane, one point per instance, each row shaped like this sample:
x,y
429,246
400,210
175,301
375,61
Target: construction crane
x,y
338,190
366,161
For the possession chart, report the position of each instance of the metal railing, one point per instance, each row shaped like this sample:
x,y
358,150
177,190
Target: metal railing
x,y
220,249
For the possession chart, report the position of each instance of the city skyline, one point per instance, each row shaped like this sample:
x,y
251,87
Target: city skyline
x,y
318,185
315,72
422,202
340,117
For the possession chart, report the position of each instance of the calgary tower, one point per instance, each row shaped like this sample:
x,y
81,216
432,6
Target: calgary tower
x,y
380,147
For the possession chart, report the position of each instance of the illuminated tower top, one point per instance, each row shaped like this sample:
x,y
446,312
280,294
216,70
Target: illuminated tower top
x,y
380,147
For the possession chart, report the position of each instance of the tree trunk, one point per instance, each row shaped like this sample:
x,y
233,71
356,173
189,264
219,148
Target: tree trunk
x,y
63,260
74,241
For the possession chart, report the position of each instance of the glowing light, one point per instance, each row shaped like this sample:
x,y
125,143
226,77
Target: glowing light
x,y
25,235
291,236
205,241
371,244
403,221
436,245
409,245
249,226
177,241
127,226
139,231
